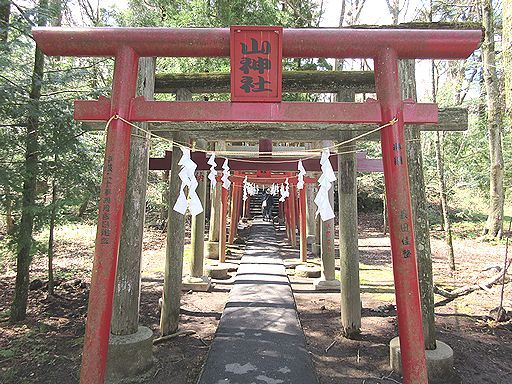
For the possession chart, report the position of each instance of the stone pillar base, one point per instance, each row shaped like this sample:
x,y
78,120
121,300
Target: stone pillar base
x,y
305,270
196,284
326,285
217,271
315,248
439,361
211,249
129,355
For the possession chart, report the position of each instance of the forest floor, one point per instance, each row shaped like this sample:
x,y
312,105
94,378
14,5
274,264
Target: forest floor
x,y
46,347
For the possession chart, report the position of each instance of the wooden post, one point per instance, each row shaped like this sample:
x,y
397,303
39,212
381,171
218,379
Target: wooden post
x,y
223,224
327,234
349,251
310,205
302,229
293,220
286,209
125,309
316,245
419,210
197,230
212,245
171,297
233,222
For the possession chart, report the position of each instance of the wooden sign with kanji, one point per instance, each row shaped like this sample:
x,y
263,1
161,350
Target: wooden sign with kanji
x,y
256,69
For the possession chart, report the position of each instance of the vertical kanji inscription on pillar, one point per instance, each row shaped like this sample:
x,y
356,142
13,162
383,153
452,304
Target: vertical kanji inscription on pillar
x,y
256,69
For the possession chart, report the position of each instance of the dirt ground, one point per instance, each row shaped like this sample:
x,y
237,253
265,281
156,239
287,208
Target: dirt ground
x,y
46,347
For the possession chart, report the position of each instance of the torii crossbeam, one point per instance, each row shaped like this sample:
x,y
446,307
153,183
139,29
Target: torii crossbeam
x,y
384,46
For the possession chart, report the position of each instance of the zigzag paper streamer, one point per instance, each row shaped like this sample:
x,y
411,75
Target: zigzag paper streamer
x,y
212,176
302,173
226,183
188,179
325,182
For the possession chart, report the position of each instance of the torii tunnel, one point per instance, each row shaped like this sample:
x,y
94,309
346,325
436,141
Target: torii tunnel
x,y
384,46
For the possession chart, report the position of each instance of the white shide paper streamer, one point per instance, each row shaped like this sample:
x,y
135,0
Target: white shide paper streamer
x,y
212,176
302,172
226,183
285,190
325,182
188,179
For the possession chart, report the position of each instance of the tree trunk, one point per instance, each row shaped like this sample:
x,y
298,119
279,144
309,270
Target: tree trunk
x,y
9,219
447,228
5,14
419,210
83,207
53,214
23,259
507,54
494,225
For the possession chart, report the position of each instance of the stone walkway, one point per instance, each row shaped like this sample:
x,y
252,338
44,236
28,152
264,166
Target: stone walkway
x,y
259,339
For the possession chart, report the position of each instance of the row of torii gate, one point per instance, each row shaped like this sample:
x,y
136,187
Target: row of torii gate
x,y
127,45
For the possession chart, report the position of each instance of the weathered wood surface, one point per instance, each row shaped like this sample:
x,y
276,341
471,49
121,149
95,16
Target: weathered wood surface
x,y
173,270
419,210
216,192
125,309
450,119
293,81
198,221
348,235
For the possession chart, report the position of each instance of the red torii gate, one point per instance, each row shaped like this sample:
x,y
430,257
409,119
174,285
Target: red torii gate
x,y
384,46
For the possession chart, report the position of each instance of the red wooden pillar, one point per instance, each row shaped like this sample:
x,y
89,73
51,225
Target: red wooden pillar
x,y
286,209
293,218
234,213
238,205
400,220
302,225
113,187
223,224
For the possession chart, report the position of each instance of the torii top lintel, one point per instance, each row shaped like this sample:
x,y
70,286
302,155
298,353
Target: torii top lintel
x,y
214,42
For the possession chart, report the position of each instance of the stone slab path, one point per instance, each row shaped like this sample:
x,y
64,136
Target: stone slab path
x,y
259,339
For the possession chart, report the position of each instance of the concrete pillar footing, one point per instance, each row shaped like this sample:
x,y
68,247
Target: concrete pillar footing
x,y
129,355
305,270
439,361
211,249
196,284
217,271
322,284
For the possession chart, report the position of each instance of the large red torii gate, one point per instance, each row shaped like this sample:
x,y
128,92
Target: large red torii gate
x,y
384,46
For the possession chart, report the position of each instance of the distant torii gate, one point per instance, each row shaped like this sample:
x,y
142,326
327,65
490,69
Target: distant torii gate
x,y
384,46
262,164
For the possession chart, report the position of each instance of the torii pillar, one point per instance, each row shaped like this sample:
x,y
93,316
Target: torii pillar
x,y
211,247
197,280
327,252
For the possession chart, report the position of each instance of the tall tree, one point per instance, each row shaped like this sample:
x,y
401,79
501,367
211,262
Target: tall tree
x,y
507,53
5,13
494,224
23,259
56,21
443,196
